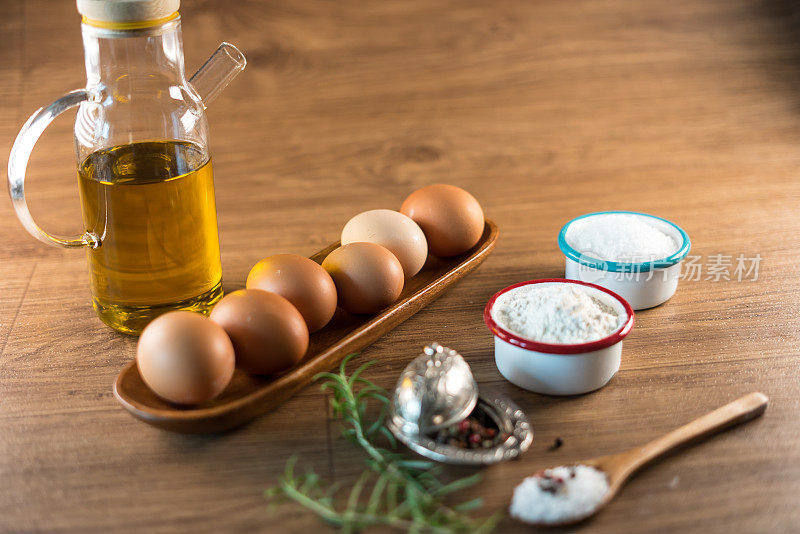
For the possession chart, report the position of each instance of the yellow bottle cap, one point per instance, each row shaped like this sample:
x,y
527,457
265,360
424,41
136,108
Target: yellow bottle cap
x,y
127,14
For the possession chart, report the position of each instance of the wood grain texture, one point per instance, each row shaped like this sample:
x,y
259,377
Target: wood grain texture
x,y
249,396
544,111
619,467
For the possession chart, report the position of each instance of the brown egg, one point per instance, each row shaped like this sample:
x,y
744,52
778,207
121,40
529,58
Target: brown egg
x,y
185,358
367,276
393,230
301,281
450,217
269,335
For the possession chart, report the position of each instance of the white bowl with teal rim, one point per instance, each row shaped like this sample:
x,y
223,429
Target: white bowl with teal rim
x,y
643,284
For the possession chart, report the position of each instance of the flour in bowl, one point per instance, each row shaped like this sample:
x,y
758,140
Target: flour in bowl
x,y
620,237
554,313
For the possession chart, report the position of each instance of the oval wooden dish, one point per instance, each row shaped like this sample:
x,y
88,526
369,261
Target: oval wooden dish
x,y
247,396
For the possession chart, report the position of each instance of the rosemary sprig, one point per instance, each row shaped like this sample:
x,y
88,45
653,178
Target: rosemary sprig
x,y
402,493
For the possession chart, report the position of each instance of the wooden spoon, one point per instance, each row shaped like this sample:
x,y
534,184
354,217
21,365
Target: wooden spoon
x,y
620,467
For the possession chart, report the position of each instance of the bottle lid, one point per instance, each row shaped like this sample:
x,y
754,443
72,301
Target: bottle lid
x,y
127,14
435,390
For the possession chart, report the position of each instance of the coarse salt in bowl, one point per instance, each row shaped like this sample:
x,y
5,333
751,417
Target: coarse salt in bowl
x,y
581,351
634,254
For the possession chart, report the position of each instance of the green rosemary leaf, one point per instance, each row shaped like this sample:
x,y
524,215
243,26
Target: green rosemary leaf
x,y
372,394
379,421
310,481
389,436
468,506
355,376
406,495
413,504
458,485
391,498
272,494
327,376
418,465
371,390
375,497
329,494
361,409
345,361
362,381
288,472
355,493
489,524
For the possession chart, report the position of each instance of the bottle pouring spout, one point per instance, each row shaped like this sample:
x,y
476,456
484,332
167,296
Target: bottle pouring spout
x,y
217,72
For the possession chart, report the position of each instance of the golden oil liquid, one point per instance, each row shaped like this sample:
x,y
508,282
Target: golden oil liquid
x,y
152,206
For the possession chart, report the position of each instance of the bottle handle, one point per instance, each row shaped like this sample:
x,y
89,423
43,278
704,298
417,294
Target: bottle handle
x,y
18,164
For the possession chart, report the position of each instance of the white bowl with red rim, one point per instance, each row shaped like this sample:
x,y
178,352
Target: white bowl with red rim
x,y
560,369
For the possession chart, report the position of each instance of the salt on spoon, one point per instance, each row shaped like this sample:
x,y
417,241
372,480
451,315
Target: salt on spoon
x,y
566,495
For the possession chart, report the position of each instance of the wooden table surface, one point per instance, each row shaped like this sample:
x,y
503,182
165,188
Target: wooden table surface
x,y
544,111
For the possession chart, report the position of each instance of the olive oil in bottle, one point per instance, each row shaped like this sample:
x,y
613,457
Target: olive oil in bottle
x,y
152,206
